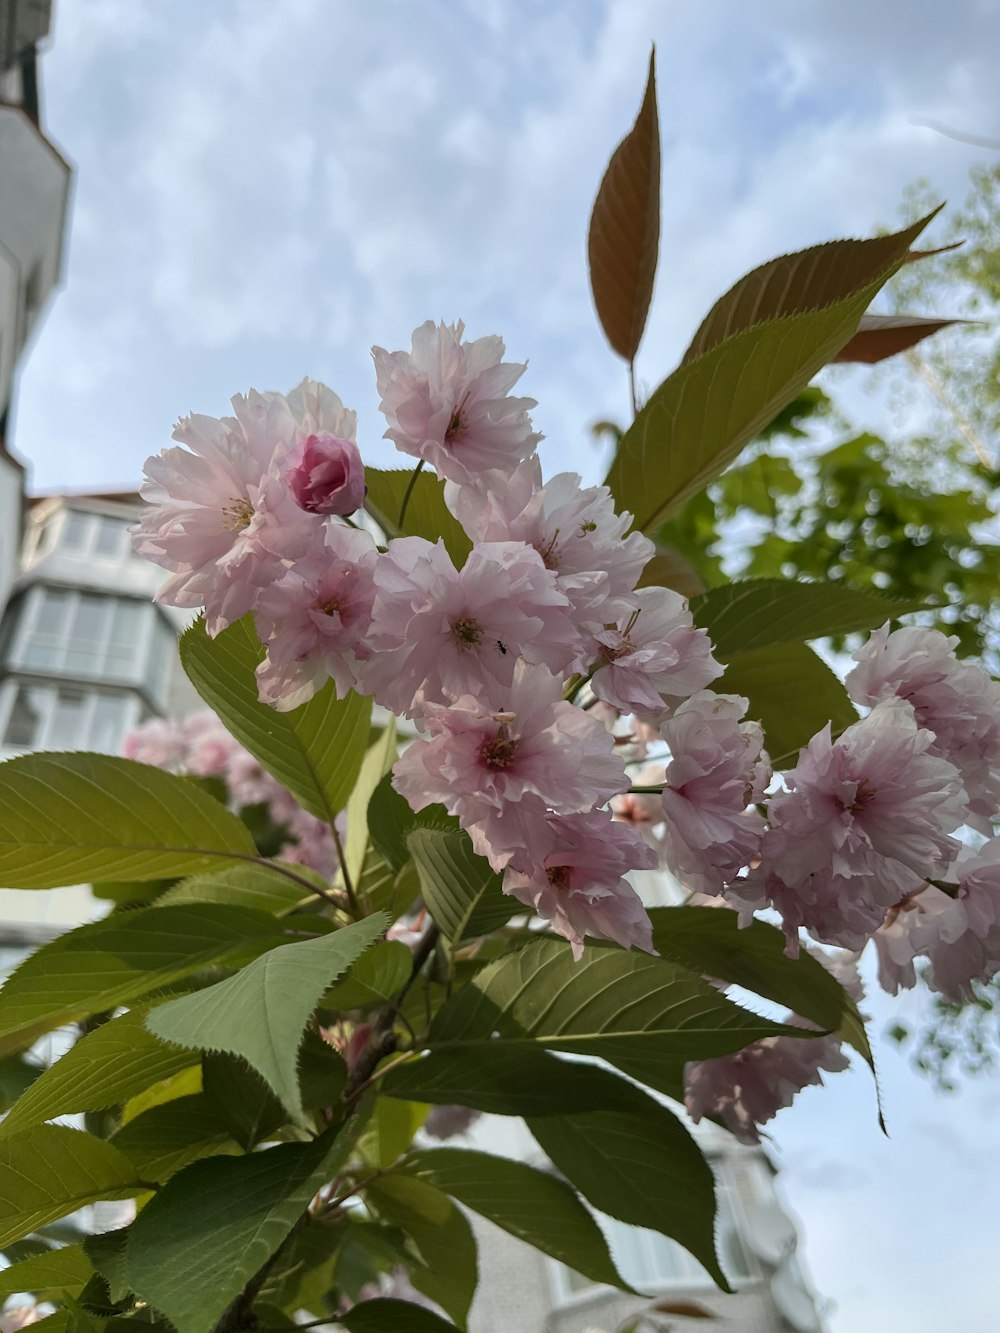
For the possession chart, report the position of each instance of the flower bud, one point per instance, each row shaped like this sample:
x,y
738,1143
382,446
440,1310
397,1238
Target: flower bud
x,y
326,475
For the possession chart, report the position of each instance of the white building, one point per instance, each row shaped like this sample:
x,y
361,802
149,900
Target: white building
x,y
85,654
34,193
521,1289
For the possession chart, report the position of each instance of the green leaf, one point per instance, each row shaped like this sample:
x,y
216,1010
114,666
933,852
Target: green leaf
x,y
640,1166
239,1098
388,1316
106,1252
261,1013
713,942
749,359
262,887
390,820
639,1012
48,1275
185,1084
166,1138
383,889
390,1130
49,1171
624,234
117,960
504,1078
73,818
792,693
756,613
442,1235
811,279
315,751
427,515
377,762
374,978
105,1067
216,1223
16,1077
462,892
530,1204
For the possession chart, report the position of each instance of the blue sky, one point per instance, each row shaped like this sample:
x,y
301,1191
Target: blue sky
x,y
264,190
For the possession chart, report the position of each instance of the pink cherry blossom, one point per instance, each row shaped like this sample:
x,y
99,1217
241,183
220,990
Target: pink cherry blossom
x,y
903,933
575,530
441,633
326,475
316,621
575,880
655,655
962,940
955,700
156,742
718,769
447,403
208,746
221,517
868,818
748,1088
502,770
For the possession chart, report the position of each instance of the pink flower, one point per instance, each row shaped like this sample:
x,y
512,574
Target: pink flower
x,y
222,520
903,933
746,1089
441,633
208,746
575,880
653,656
447,403
311,842
869,817
351,1040
718,769
576,531
155,742
501,771
326,475
962,940
957,701
316,621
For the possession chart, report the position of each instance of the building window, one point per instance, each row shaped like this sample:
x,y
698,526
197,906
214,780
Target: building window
x,y
649,1261
63,717
94,535
100,637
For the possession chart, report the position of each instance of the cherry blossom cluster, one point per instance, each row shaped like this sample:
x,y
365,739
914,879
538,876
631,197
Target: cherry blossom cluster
x,y
538,674
493,662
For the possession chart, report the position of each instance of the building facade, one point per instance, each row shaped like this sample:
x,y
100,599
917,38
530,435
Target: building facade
x,y
523,1290
34,197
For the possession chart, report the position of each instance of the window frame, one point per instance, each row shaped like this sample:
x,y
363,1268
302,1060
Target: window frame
x,y
26,633
565,1297
93,522
132,714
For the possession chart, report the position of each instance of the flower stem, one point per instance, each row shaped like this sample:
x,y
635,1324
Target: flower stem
x,y
409,491
342,858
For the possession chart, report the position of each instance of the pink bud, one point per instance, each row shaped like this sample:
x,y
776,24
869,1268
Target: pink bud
x,y
326,475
